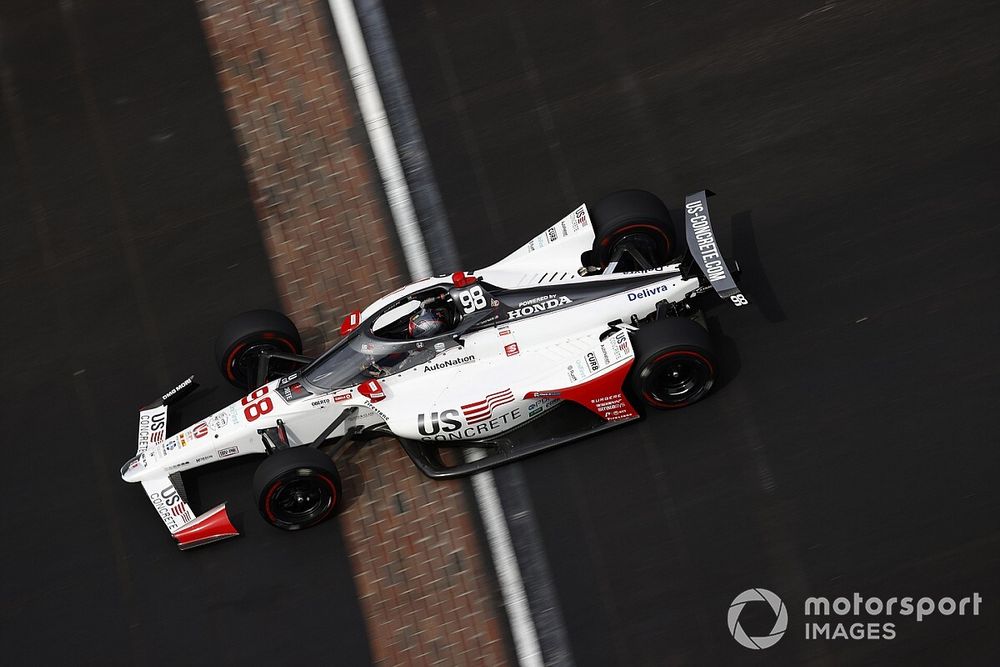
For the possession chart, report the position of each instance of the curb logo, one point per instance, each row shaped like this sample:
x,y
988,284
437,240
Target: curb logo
x,y
780,618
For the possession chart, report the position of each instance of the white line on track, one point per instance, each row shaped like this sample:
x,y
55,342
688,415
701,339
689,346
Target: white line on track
x,y
359,67
515,598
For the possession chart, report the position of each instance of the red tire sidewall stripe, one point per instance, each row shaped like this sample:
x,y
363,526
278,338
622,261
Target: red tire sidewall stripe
x,y
675,353
626,228
334,496
230,359
270,336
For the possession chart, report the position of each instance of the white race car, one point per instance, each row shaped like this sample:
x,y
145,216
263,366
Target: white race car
x,y
575,332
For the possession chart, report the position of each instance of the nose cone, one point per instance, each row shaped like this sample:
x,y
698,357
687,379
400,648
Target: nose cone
x,y
132,468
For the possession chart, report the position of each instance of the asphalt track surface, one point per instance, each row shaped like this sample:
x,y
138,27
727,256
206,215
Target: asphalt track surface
x,y
852,444
128,237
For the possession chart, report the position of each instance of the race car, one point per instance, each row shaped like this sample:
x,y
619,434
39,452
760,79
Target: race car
x,y
580,330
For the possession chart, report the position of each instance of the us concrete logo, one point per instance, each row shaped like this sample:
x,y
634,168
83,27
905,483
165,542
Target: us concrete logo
x,y
780,618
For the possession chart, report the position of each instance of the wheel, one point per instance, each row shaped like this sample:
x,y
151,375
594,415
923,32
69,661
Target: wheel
x,y
296,488
675,363
637,217
247,334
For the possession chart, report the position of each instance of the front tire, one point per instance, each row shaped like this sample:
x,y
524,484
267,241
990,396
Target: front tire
x,y
675,363
636,217
297,488
242,339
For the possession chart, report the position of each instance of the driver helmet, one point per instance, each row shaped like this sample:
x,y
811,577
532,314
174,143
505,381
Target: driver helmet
x,y
428,322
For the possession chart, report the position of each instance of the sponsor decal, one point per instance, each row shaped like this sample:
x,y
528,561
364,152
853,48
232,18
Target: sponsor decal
x,y
571,372
447,426
182,439
320,402
581,216
548,394
622,339
448,363
170,394
612,407
200,431
504,330
647,292
371,406
339,398
604,354
537,299
372,390
702,244
483,410
592,361
170,445
446,421
228,451
511,349
152,428
715,270
202,459
550,304
164,501
541,404
217,422
157,427
552,234
439,347
294,391
657,269
178,510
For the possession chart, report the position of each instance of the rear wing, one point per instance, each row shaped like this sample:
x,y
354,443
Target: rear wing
x,y
704,251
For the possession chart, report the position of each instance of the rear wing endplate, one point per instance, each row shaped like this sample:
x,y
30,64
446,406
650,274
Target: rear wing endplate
x,y
704,250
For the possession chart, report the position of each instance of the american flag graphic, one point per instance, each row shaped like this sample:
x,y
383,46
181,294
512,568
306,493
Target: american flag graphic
x,y
483,410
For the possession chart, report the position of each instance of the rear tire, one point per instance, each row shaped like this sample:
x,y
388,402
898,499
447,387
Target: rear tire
x,y
634,216
247,334
296,488
675,363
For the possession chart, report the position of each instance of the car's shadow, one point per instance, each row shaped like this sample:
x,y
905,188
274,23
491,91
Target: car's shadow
x,y
753,280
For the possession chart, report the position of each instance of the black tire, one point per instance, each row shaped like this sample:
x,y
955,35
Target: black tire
x,y
675,363
245,335
296,488
637,216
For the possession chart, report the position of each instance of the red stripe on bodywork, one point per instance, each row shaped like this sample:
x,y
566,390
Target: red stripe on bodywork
x,y
211,526
601,395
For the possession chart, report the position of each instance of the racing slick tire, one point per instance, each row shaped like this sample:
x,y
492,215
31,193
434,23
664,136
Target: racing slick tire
x,y
675,363
296,488
247,334
634,216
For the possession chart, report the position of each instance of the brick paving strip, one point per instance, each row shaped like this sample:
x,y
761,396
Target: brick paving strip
x,y
423,583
